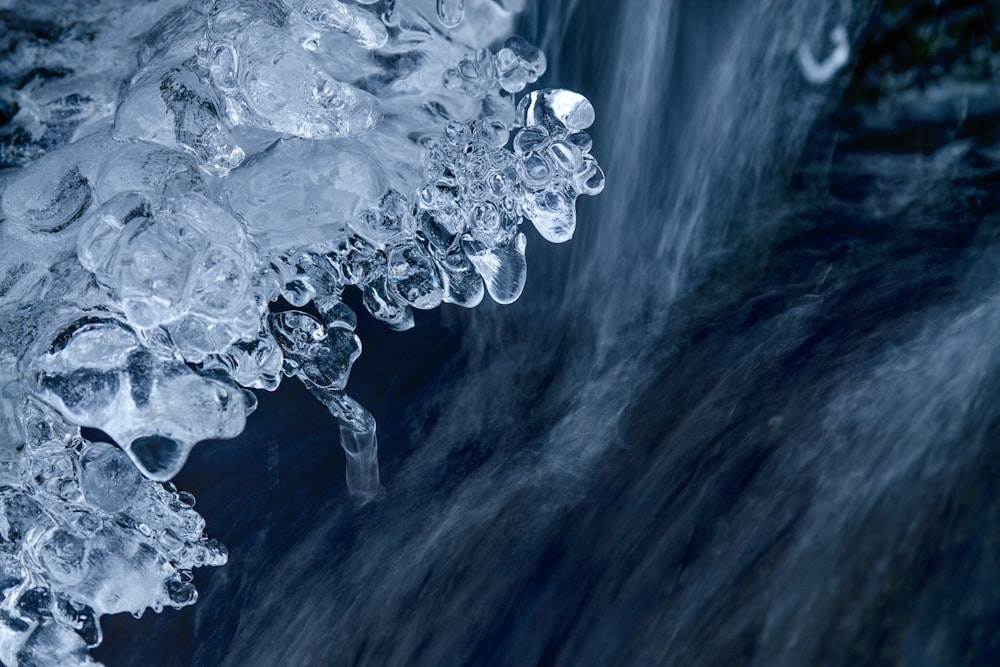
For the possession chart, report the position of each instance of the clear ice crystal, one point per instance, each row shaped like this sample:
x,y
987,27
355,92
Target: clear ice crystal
x,y
228,156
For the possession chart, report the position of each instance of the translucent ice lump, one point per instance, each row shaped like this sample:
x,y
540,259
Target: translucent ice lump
x,y
182,206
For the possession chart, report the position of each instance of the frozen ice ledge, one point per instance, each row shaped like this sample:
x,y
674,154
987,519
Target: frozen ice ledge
x,y
173,170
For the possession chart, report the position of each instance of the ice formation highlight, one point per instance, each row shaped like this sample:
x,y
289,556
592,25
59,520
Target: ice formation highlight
x,y
159,196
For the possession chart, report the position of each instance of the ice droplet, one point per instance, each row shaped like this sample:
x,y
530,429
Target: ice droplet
x,y
556,110
450,12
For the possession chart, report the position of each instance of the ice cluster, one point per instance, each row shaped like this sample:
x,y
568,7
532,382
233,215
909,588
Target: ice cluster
x,y
171,172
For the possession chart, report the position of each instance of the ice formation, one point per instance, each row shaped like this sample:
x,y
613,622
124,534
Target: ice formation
x,y
170,171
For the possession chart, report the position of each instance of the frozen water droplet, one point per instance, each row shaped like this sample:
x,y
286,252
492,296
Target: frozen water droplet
x,y
463,284
450,12
590,180
413,277
503,268
530,139
558,111
553,214
518,64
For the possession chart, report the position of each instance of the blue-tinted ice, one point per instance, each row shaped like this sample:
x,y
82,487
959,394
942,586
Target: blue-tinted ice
x,y
195,163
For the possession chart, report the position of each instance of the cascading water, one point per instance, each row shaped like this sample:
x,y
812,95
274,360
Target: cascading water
x,y
746,417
